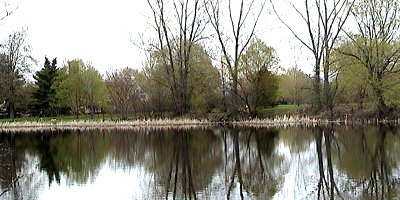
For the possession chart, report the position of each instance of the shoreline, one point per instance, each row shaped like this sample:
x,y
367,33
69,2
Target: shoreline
x,y
181,123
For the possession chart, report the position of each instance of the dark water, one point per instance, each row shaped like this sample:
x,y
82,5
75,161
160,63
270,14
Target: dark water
x,y
214,163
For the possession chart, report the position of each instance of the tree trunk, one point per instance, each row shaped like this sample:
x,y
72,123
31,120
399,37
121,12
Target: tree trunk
x,y
124,115
175,100
235,95
12,110
317,89
223,103
327,95
186,104
77,112
381,105
318,142
92,112
328,133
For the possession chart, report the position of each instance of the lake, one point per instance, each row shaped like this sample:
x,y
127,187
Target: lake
x,y
221,162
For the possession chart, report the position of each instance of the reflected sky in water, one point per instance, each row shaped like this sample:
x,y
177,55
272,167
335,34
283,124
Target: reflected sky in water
x,y
212,163
111,183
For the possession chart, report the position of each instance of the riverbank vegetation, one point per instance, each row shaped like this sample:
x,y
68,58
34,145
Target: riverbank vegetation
x,y
355,68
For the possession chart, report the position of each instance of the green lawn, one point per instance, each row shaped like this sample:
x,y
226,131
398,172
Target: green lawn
x,y
61,118
266,112
281,110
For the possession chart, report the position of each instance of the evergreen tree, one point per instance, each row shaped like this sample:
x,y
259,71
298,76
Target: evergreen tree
x,y
45,93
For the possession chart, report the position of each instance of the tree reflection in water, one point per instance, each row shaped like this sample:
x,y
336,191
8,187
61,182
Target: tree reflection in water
x,y
10,167
380,181
326,185
181,166
181,163
210,163
193,157
370,160
254,162
18,179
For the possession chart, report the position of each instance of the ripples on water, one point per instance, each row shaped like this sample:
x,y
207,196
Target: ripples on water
x,y
205,163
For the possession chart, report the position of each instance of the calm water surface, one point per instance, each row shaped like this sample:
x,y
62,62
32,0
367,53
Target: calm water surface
x,y
212,163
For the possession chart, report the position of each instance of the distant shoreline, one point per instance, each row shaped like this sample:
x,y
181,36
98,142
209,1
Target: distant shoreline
x,y
178,123
153,123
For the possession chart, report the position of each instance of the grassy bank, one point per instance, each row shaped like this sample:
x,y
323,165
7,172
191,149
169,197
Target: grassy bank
x,y
153,123
275,116
269,112
281,110
62,118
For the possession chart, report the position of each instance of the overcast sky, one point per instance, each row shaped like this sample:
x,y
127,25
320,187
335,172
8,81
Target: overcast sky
x,y
100,32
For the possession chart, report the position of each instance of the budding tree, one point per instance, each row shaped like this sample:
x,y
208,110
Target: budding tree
x,y
179,24
234,26
376,45
324,22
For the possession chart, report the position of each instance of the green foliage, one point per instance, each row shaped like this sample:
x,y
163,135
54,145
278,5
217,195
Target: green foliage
x,y
199,104
81,88
258,85
392,95
376,46
157,91
362,76
280,110
45,92
25,99
204,82
294,87
95,90
70,89
268,89
202,86
353,76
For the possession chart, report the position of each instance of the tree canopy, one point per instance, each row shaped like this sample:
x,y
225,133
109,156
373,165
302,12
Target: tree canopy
x,y
44,96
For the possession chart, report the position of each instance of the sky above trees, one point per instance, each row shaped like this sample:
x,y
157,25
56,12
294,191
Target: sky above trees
x,y
107,33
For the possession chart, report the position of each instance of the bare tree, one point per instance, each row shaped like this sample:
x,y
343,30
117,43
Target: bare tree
x,y
234,38
7,11
175,38
123,89
376,44
324,20
16,61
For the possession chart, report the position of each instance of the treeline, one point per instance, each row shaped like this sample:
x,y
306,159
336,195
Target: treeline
x,y
78,88
354,64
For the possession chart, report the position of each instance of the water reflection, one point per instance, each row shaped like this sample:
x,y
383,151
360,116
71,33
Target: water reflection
x,y
325,188
253,163
216,163
11,162
18,180
370,160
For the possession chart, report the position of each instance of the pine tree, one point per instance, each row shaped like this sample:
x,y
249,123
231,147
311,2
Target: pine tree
x,y
45,93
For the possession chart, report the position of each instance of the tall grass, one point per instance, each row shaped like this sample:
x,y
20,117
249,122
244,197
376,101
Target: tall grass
x,y
160,123
172,123
95,124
